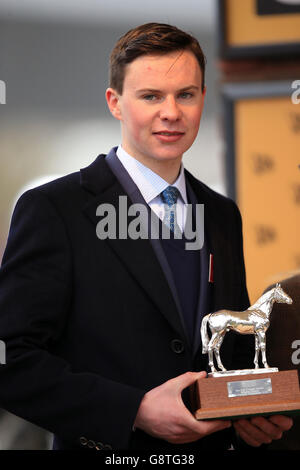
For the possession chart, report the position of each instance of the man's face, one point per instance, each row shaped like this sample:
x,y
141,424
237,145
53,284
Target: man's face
x,y
161,106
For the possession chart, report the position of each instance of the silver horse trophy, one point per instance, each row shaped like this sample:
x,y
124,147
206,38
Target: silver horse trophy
x,y
254,320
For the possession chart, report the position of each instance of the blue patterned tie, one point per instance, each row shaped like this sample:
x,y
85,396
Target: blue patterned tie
x,y
169,197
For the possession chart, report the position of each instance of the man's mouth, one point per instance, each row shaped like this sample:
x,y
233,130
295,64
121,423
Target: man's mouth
x,y
168,137
169,133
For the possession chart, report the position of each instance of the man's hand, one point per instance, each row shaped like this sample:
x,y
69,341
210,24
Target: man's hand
x,y
162,413
258,430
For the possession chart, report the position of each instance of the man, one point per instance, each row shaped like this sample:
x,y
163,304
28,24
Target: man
x,y
102,331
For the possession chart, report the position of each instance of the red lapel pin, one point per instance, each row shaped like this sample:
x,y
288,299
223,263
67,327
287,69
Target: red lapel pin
x,y
211,268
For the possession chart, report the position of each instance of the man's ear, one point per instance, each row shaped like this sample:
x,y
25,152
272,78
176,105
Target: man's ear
x,y
113,103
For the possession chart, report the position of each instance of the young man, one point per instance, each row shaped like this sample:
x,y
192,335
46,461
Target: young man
x,y
102,329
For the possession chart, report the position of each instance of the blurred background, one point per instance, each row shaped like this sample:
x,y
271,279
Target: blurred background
x,y
54,119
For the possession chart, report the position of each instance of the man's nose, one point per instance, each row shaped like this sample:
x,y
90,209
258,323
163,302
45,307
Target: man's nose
x,y
170,109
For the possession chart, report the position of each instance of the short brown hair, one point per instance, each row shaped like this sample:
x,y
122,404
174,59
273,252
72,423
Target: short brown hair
x,y
150,38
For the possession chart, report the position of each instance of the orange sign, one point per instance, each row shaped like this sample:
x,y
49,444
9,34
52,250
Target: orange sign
x,y
267,166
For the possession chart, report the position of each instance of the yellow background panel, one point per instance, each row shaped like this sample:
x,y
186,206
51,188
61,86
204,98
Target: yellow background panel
x,y
267,143
245,27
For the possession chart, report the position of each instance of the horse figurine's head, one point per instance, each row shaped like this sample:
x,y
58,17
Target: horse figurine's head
x,y
280,296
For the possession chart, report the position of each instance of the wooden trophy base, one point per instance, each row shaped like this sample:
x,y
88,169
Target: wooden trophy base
x,y
237,396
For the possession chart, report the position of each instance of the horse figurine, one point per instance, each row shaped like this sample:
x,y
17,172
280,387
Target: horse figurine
x,y
255,321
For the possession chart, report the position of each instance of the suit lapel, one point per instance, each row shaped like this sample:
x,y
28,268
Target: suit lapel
x,y
215,242
138,255
203,288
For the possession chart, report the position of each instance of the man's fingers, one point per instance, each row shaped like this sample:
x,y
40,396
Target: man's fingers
x,y
253,433
209,427
244,434
259,430
188,429
200,429
271,430
250,434
184,380
284,422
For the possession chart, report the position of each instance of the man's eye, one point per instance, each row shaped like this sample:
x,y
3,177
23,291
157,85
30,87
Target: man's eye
x,y
149,97
186,95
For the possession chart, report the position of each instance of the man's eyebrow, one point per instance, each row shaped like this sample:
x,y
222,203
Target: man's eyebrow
x,y
191,87
154,90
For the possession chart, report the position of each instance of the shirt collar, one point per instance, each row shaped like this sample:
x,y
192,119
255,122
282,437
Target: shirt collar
x,y
149,183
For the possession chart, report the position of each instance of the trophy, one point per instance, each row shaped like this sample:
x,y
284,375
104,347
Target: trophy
x,y
247,392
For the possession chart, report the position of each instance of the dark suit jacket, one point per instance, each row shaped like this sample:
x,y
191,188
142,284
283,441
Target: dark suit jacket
x,y
91,325
282,337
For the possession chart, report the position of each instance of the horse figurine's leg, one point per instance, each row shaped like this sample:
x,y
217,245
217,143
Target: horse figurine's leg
x,y
262,344
213,348
256,351
211,351
211,360
217,350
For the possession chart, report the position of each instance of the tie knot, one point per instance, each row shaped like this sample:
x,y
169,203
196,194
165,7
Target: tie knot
x,y
170,195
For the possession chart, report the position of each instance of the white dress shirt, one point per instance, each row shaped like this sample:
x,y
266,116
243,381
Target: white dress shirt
x,y
151,185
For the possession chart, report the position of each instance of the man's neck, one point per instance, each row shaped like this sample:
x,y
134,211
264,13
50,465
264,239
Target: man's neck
x,y
166,169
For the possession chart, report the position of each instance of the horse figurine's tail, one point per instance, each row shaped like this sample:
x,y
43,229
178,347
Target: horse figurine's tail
x,y
204,335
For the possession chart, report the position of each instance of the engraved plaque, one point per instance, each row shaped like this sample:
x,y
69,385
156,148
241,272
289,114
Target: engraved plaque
x,y
243,388
221,397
